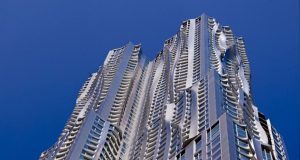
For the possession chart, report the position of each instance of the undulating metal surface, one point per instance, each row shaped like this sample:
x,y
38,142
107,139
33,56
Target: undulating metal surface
x,y
193,101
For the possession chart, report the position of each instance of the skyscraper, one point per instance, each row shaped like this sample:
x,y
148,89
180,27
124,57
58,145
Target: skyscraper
x,y
193,101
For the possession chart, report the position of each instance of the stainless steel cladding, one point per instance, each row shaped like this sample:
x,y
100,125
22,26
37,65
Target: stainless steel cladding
x,y
193,101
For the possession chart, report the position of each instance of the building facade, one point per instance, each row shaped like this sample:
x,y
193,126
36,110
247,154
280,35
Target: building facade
x,y
193,101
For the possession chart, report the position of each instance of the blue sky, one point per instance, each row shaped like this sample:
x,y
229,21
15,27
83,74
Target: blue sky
x,y
49,47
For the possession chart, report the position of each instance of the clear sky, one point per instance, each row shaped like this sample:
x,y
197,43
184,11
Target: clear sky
x,y
48,48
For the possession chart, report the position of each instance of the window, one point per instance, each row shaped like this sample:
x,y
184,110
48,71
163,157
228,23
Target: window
x,y
241,132
181,155
242,143
213,142
213,132
198,142
198,155
267,154
243,147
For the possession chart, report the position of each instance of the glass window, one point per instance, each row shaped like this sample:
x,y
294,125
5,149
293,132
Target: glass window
x,y
216,140
216,155
243,144
198,143
246,152
267,155
241,132
242,157
217,147
198,155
